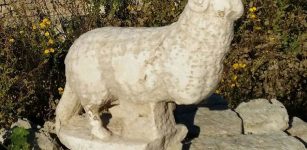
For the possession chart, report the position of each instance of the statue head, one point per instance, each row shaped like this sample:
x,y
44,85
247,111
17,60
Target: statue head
x,y
230,9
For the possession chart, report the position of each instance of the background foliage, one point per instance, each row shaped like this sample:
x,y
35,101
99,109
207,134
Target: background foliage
x,y
267,57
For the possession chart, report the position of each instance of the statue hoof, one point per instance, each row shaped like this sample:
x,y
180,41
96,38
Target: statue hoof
x,y
101,133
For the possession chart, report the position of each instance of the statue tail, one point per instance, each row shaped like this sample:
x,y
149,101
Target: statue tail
x,y
68,107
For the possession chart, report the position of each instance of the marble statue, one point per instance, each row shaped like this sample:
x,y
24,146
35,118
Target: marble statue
x,y
126,80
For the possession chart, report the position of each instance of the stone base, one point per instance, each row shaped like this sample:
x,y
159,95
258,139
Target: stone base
x,y
150,128
78,137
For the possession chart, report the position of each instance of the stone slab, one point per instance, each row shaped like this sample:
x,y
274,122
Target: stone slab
x,y
276,141
79,137
217,122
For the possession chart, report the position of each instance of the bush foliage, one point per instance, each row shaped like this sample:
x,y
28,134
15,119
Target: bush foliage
x,y
19,139
267,57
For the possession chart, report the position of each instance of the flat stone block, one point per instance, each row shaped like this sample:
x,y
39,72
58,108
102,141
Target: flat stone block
x,y
217,122
78,137
275,141
83,140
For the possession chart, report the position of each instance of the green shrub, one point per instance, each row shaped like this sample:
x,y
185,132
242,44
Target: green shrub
x,y
19,139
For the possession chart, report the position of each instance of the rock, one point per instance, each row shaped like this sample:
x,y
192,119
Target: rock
x,y
299,129
208,118
260,116
44,141
23,123
275,141
217,122
2,135
49,127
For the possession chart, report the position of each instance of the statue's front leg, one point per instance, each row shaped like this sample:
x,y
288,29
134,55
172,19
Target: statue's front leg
x,y
98,130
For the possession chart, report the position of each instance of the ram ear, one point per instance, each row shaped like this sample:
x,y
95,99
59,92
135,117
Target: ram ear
x,y
198,5
233,9
237,9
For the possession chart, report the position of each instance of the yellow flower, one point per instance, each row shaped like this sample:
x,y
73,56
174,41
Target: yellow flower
x,y
258,28
11,40
130,8
50,42
46,51
34,27
235,66
238,66
234,77
48,22
42,25
252,16
252,9
242,65
45,20
51,50
47,34
61,90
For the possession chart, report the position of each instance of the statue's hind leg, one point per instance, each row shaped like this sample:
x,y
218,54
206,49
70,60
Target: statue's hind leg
x,y
91,107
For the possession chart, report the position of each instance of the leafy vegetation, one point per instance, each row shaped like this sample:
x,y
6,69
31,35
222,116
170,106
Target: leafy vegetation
x,y
267,57
19,139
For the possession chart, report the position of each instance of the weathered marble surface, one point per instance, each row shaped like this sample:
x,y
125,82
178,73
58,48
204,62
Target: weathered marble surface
x,y
260,116
117,68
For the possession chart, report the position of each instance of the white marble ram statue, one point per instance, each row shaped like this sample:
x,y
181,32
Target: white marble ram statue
x,y
181,62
